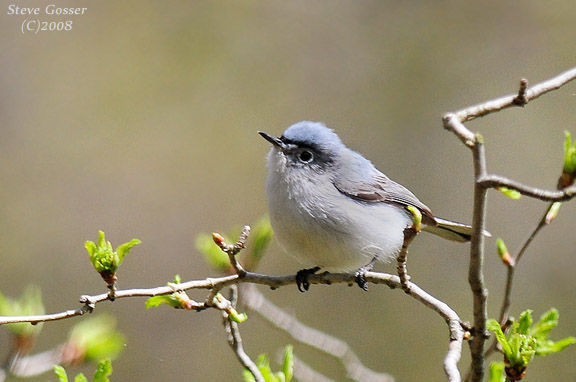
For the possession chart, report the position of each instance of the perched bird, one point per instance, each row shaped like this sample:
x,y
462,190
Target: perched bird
x,y
333,210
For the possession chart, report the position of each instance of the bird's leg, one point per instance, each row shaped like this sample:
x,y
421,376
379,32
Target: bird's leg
x,y
360,275
302,278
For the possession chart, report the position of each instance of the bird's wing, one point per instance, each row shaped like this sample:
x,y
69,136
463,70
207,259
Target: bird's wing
x,y
383,190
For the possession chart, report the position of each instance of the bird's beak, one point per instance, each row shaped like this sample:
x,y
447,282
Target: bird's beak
x,y
272,139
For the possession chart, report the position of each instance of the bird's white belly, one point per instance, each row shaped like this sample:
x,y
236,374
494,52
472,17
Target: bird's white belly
x,y
343,235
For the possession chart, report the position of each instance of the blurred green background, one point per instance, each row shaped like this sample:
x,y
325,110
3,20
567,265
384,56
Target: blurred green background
x,y
142,122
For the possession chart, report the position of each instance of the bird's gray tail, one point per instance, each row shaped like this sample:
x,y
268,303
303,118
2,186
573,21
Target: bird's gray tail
x,y
451,230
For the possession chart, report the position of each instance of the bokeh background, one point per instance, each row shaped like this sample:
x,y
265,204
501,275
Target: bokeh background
x,y
142,122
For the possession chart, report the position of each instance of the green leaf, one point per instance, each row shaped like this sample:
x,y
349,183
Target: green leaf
x,y
247,376
494,326
98,338
569,154
547,322
237,317
178,299
526,340
214,256
497,372
60,373
103,371
504,253
260,238
80,378
550,347
29,303
524,322
168,299
264,365
124,249
512,194
288,363
416,216
104,258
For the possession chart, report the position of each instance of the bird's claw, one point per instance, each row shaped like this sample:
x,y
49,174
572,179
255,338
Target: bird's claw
x,y
302,278
360,279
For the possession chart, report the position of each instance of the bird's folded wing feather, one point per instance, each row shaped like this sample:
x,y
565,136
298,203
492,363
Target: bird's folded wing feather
x,y
383,190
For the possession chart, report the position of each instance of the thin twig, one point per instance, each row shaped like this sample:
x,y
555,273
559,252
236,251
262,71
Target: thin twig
x,y
235,340
410,233
506,300
531,93
495,181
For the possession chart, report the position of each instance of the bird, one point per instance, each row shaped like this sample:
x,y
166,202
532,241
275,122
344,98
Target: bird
x,y
332,209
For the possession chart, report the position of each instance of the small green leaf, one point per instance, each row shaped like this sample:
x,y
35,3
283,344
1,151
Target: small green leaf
x,y
29,303
551,347
264,365
494,326
104,258
416,216
512,194
497,372
524,322
103,371
60,373
260,238
237,317
553,212
124,249
98,338
504,253
214,256
288,363
80,378
569,154
547,322
178,299
167,299
247,375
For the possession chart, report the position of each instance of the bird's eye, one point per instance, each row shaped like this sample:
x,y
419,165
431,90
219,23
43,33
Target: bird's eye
x,y
305,156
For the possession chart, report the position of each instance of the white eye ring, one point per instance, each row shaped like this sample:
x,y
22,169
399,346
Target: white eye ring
x,y
305,156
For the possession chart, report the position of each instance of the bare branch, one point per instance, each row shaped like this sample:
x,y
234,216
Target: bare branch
x,y
454,123
235,340
495,181
529,94
476,265
45,317
451,317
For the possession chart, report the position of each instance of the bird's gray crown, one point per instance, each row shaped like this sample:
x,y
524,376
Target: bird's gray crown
x,y
312,134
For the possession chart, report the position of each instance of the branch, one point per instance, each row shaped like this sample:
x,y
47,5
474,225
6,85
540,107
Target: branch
x,y
454,123
235,340
519,99
495,181
449,315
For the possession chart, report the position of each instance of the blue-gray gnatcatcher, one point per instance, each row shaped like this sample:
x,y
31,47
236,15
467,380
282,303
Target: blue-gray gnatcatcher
x,y
332,209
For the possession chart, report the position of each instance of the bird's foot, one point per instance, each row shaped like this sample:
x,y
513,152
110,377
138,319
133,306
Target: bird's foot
x,y
302,278
360,275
